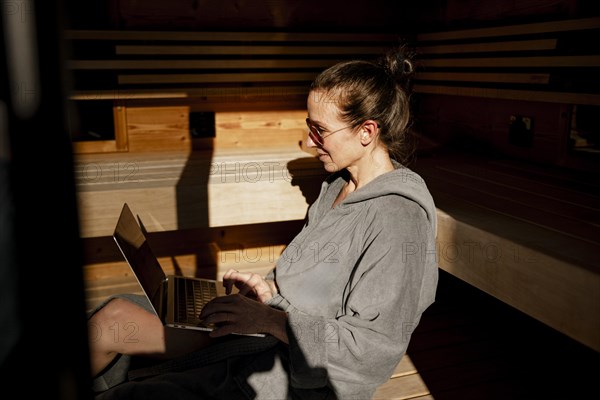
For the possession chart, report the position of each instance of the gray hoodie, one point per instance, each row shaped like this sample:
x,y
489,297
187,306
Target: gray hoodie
x,y
355,282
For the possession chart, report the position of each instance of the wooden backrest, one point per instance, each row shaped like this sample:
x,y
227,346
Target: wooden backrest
x,y
156,80
209,65
547,62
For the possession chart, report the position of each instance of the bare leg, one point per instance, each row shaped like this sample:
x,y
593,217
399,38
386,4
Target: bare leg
x,y
122,327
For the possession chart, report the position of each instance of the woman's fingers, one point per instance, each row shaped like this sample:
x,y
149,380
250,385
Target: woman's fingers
x,y
240,314
228,281
234,313
234,277
249,284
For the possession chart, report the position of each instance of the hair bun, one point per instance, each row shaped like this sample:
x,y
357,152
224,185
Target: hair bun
x,y
398,63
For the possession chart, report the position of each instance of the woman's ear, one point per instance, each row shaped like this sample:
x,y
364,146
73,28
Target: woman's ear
x,y
369,131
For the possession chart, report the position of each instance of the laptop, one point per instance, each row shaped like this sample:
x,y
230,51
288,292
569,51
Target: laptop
x,y
177,300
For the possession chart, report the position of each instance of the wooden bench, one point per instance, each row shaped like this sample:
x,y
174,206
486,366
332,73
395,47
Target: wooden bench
x,y
232,207
524,234
513,221
470,345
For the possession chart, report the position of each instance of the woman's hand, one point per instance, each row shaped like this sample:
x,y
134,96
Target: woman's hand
x,y
249,284
237,313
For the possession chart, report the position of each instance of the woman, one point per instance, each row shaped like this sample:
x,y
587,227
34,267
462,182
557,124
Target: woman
x,y
342,300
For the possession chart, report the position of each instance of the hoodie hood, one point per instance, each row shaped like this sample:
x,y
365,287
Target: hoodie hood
x,y
402,181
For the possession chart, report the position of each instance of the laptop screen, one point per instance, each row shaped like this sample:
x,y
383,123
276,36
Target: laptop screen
x,y
134,246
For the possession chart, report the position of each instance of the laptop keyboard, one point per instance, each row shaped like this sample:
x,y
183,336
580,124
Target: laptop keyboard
x,y
192,296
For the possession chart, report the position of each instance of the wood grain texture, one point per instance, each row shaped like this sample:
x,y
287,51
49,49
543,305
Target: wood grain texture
x,y
526,235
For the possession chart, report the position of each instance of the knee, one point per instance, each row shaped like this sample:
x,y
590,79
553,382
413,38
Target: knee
x,y
106,319
112,312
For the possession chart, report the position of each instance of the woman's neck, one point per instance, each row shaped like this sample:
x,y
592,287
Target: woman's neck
x,y
363,172
370,167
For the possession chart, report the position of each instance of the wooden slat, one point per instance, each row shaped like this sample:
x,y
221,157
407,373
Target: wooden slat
x,y
196,250
549,213
120,125
228,36
104,279
209,93
523,29
158,128
247,50
556,201
516,45
404,387
560,206
328,49
196,64
437,67
217,78
496,77
404,367
512,94
119,144
186,192
165,128
503,62
572,190
259,130
96,146
580,187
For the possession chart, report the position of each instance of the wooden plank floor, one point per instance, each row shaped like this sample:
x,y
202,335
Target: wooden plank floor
x,y
470,345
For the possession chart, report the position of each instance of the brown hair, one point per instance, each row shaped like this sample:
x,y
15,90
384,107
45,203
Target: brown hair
x,y
377,90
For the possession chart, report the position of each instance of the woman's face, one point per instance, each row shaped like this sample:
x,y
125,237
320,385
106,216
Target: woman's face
x,y
341,146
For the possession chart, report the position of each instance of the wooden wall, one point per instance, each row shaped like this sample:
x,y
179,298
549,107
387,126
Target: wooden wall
x,y
479,116
307,15
441,118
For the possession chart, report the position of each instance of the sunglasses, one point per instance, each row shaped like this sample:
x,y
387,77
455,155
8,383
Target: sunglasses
x,y
315,134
